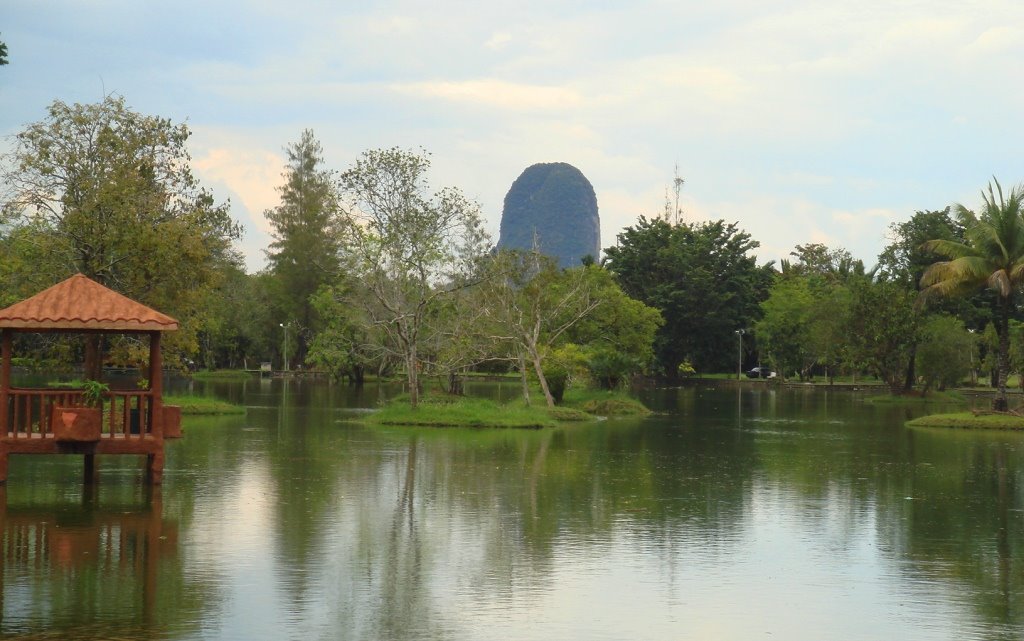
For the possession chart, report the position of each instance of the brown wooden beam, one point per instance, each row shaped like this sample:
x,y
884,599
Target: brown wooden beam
x,y
5,378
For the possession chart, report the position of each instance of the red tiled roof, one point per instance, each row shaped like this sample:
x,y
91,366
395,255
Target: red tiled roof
x,y
79,303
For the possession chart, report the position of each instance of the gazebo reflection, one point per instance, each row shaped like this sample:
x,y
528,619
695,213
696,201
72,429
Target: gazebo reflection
x,y
102,557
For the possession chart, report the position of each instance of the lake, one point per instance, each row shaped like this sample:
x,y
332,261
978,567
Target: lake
x,y
750,513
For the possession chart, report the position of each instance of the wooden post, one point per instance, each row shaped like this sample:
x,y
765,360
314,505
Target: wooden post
x,y
89,469
156,386
155,462
5,379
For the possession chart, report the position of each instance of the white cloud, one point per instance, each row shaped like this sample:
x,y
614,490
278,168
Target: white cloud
x,y
491,92
253,174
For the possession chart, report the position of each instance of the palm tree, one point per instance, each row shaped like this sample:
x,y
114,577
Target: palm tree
x,y
992,256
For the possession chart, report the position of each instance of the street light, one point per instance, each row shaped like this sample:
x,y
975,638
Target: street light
x,y
285,328
739,352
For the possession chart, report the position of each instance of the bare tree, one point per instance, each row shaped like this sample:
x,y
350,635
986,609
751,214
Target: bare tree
x,y
410,248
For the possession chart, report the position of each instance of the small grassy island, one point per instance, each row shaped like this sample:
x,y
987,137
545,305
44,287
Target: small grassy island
x,y
971,420
461,411
202,406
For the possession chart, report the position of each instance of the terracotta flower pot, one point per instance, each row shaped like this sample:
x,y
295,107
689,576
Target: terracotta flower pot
x,y
172,421
76,424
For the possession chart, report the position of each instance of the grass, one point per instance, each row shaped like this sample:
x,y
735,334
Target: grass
x,y
917,399
452,411
439,410
969,420
605,403
202,406
221,375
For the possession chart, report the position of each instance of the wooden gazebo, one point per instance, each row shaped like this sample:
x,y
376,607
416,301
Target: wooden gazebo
x,y
57,421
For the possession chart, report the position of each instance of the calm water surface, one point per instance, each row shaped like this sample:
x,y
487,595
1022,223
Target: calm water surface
x,y
752,514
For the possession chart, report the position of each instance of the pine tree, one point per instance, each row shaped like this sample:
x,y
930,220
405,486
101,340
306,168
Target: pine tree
x,y
304,253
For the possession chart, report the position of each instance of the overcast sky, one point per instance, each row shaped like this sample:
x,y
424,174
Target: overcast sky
x,y
802,120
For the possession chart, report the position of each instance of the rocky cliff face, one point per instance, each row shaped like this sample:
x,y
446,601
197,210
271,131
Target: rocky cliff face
x,y
557,202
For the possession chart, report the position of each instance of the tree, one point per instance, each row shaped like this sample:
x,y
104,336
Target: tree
x,y
3,53
105,191
816,259
946,352
617,339
991,255
532,304
345,345
882,326
410,248
702,280
784,331
904,260
304,255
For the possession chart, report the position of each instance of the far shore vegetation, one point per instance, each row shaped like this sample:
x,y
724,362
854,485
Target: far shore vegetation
x,y
362,284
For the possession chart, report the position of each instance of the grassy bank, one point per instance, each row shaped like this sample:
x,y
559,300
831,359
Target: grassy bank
x,y
448,411
221,375
949,397
605,403
439,410
202,406
969,420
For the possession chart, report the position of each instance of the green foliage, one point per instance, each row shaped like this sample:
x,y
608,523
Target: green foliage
x,y
803,322
882,329
304,253
93,391
605,403
991,256
345,346
619,334
105,191
701,278
554,206
409,248
3,53
530,306
564,364
818,260
945,352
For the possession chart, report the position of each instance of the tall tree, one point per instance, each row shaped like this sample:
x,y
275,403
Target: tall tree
x,y
533,303
701,277
904,260
409,247
990,256
304,254
3,53
108,192
882,327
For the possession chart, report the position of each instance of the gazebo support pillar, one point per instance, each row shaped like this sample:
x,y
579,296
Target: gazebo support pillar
x,y
155,462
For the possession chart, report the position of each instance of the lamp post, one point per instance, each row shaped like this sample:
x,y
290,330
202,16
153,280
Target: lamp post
x,y
285,328
739,352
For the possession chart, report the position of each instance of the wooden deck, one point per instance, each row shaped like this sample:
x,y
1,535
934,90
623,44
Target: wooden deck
x,y
130,422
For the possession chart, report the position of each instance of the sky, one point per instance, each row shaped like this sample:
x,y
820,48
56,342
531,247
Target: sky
x,y
804,121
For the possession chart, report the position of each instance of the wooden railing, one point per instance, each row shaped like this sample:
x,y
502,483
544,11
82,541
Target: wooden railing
x,y
128,413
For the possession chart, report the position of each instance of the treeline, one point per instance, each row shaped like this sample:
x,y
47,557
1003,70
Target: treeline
x,y
372,271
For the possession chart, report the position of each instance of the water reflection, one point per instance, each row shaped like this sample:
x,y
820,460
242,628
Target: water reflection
x,y
68,566
715,519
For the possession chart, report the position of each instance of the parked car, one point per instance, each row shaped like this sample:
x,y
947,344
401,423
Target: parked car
x,y
760,372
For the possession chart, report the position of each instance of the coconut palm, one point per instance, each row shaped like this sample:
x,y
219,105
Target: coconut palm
x,y
992,256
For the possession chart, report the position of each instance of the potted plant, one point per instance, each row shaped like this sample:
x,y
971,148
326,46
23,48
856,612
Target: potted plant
x,y
81,423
